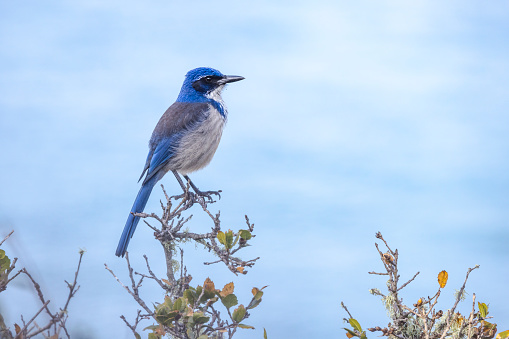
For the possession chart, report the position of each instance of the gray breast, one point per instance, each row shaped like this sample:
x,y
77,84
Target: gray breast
x,y
197,147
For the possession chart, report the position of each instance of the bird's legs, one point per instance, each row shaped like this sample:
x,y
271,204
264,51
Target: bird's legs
x,y
206,194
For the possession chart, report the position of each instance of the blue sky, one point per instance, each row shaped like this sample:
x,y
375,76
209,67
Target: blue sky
x,y
354,117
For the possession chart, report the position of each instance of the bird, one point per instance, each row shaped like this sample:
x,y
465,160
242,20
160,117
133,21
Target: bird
x,y
184,140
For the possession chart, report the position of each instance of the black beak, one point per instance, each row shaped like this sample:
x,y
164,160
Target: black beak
x,y
229,78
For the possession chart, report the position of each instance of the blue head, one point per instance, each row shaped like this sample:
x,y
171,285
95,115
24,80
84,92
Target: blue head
x,y
204,84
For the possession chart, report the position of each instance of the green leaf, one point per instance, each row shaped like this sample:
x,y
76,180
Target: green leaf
x,y
254,303
258,295
221,237
230,300
199,318
239,313
179,305
246,235
236,239
153,336
203,336
228,239
165,316
355,324
5,263
190,296
246,326
264,333
198,290
167,302
137,335
2,254
483,309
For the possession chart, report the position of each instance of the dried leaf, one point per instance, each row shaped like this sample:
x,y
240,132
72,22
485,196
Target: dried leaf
x,y
160,330
240,269
442,278
209,285
166,282
17,328
350,332
387,258
227,289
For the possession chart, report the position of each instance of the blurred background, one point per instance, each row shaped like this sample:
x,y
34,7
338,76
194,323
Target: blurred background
x,y
355,117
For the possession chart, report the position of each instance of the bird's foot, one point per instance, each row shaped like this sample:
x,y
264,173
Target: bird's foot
x,y
186,196
199,196
207,195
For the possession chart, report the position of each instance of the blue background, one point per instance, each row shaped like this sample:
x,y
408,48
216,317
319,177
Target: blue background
x,y
354,117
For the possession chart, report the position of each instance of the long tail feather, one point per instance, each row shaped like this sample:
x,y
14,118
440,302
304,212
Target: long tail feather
x,y
132,221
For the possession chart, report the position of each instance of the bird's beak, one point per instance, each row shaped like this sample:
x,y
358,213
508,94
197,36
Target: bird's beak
x,y
230,78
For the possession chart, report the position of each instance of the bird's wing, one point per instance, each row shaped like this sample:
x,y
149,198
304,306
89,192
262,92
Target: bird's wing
x,y
175,122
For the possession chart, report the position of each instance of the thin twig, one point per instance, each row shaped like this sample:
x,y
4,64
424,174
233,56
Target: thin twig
x,y
33,318
408,282
6,237
451,312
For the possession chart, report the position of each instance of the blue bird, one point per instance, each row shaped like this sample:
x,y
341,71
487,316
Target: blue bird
x,y
184,140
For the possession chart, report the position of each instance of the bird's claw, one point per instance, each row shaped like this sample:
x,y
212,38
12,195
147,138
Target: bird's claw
x,y
196,197
208,195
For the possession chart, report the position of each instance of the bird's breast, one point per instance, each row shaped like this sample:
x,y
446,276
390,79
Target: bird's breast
x,y
199,144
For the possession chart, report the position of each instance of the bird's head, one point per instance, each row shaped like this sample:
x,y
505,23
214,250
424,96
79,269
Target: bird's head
x,y
205,82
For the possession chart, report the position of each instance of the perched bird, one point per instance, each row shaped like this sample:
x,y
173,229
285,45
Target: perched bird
x,y
184,140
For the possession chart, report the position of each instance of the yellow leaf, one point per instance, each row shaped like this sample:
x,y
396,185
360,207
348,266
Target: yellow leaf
x,y
240,269
227,289
503,335
442,278
419,302
459,319
209,285
349,335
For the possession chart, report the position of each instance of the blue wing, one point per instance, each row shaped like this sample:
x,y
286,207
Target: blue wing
x,y
165,149
179,118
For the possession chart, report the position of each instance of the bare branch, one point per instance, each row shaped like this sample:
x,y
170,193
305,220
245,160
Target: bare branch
x,y
22,333
6,237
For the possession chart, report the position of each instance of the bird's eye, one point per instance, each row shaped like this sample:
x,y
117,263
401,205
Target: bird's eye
x,y
208,79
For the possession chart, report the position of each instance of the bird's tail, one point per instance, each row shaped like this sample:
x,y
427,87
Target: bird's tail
x,y
132,221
